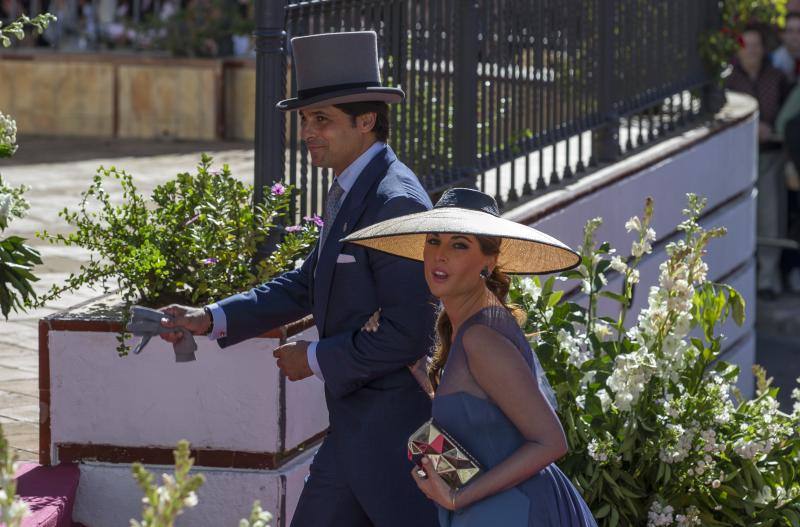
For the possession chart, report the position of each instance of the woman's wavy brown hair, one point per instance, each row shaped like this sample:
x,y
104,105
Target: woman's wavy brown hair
x,y
498,283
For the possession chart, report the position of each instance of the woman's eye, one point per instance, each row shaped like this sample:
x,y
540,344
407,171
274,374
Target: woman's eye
x,y
433,241
320,119
459,245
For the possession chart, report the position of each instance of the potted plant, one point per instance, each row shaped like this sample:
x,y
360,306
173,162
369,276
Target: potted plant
x,y
195,239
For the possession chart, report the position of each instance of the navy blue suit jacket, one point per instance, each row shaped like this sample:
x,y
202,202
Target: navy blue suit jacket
x,y
374,403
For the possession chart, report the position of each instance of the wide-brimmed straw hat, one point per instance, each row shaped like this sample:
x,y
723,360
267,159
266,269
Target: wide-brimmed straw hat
x,y
523,250
337,68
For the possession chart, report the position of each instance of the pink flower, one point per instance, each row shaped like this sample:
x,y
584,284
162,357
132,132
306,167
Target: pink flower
x,y
315,219
294,228
278,189
209,261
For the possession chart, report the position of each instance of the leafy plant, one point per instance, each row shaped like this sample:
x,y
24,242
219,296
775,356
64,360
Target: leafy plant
x,y
658,434
164,503
17,259
258,517
195,240
12,509
719,46
16,29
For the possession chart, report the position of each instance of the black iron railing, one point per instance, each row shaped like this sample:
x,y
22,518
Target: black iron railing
x,y
513,96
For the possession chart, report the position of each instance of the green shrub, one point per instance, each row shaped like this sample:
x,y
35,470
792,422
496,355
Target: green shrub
x,y
195,240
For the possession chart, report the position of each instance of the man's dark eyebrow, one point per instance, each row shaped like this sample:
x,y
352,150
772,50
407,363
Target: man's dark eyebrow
x,y
310,113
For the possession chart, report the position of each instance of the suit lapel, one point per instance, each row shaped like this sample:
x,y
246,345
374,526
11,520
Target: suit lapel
x,y
349,214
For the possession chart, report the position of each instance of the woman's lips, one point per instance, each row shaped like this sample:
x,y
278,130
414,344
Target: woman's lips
x,y
439,275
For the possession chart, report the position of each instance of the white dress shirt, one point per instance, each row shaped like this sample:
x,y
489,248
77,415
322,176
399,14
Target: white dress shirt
x,y
346,180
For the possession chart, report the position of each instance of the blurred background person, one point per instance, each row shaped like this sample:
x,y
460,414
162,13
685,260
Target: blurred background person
x,y
787,57
753,74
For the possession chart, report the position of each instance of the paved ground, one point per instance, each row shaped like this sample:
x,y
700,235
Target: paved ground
x,y
57,170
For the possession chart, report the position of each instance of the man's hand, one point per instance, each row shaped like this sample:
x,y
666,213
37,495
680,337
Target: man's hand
x,y
195,319
293,360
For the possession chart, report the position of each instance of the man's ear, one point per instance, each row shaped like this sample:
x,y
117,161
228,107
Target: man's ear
x,y
366,122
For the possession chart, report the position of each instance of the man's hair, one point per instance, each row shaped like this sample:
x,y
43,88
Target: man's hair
x,y
754,27
379,108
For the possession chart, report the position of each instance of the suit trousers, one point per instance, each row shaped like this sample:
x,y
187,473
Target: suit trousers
x,y
328,500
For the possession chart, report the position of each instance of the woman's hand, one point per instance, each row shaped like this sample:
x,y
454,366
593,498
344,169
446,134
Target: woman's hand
x,y
373,323
434,487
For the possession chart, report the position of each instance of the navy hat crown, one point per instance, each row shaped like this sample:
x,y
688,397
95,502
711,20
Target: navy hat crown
x,y
468,198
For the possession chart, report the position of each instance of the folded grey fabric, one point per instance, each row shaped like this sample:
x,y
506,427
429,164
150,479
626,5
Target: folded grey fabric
x,y
146,323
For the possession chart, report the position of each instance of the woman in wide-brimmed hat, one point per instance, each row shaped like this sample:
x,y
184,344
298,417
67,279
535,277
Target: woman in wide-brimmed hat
x,y
491,395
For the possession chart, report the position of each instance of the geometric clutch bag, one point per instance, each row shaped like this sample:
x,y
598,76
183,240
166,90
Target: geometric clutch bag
x,y
449,459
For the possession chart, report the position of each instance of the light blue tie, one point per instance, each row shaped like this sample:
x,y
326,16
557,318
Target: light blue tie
x,y
332,205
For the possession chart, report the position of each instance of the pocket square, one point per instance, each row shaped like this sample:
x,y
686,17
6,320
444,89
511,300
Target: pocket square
x,y
345,258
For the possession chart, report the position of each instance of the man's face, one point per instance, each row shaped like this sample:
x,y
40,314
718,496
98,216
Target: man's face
x,y
752,53
333,141
791,36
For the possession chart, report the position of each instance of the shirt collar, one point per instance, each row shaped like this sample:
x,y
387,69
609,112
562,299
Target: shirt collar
x,y
350,174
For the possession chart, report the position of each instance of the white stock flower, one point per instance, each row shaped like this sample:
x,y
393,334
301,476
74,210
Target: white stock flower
x,y
638,249
660,515
531,289
191,500
749,449
298,263
5,207
632,371
633,224
8,133
679,445
691,518
618,264
605,400
602,330
574,347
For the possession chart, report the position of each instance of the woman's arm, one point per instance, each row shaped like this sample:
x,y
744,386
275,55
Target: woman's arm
x,y
501,371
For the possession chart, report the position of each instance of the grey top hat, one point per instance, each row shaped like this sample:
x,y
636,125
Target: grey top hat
x,y
523,249
337,68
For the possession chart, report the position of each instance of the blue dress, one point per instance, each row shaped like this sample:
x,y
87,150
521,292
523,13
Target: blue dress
x,y
465,411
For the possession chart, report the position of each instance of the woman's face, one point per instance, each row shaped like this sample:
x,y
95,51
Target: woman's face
x,y
453,263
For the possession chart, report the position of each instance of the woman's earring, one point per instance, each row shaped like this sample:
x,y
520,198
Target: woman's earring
x,y
485,273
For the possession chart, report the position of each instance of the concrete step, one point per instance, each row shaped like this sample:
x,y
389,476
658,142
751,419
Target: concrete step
x,y
49,493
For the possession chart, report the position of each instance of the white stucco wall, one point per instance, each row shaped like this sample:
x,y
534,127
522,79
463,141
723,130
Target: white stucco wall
x,y
108,495
226,399
721,167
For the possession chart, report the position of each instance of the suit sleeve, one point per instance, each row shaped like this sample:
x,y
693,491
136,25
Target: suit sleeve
x,y
279,301
350,360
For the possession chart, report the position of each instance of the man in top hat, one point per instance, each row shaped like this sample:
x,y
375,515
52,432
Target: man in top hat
x,y
360,475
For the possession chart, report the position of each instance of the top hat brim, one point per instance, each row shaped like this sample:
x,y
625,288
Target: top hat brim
x,y
362,94
523,250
